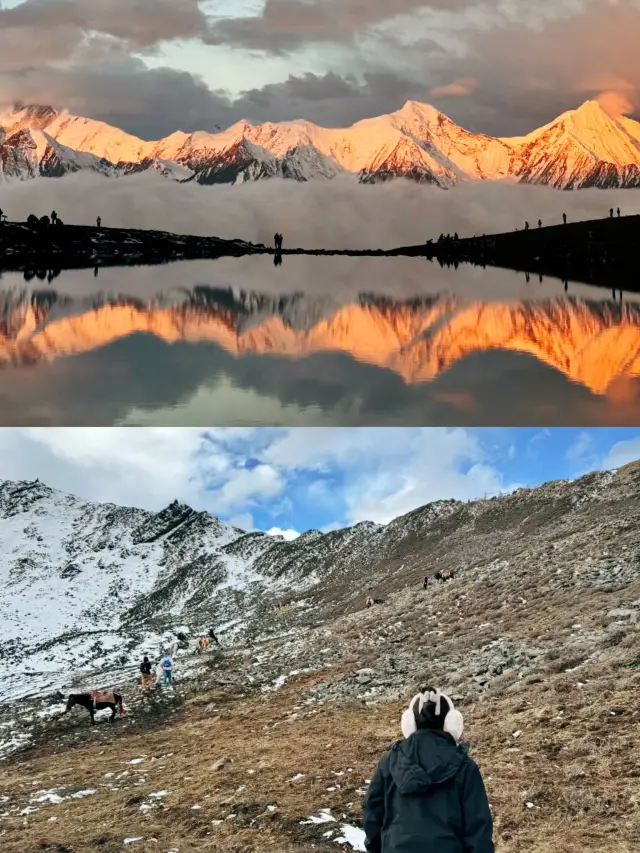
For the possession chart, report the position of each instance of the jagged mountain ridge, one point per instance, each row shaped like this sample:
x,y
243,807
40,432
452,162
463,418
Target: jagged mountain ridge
x,y
88,586
584,147
591,343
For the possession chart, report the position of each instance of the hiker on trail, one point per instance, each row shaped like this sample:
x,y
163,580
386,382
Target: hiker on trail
x,y
99,221
425,582
564,218
618,212
611,212
213,637
145,670
539,223
526,226
426,793
167,669
54,216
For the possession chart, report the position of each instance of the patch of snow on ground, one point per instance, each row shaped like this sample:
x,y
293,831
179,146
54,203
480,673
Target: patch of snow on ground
x,y
352,836
324,816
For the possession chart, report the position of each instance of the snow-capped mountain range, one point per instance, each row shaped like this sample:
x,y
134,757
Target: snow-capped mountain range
x,y
591,343
584,147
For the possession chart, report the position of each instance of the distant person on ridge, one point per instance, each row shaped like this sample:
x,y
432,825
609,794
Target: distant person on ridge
x,y
564,218
539,223
54,216
99,221
526,226
427,795
611,212
618,212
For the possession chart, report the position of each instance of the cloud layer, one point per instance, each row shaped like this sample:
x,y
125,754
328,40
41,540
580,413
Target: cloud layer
x,y
339,214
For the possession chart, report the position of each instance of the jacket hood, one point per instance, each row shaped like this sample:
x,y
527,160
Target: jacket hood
x,y
425,759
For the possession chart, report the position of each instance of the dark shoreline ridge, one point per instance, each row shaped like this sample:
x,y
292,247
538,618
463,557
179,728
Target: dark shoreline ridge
x,y
599,252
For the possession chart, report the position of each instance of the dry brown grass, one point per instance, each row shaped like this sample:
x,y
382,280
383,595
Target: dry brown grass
x,y
575,761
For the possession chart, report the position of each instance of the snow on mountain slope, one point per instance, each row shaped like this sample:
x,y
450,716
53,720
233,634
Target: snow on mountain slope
x,y
582,147
86,586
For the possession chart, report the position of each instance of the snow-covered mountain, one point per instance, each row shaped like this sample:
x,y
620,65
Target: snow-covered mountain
x,y
86,587
591,343
584,147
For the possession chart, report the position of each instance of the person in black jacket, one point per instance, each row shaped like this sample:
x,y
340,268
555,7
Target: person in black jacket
x,y
145,670
427,795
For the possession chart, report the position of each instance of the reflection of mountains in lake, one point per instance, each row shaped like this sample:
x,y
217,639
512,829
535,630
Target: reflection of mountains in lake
x,y
592,343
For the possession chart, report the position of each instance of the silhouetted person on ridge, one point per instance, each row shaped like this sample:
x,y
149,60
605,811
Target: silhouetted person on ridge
x,y
526,226
54,216
455,237
99,221
618,212
539,223
611,212
564,218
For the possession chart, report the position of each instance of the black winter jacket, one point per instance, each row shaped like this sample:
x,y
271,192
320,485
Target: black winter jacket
x,y
427,796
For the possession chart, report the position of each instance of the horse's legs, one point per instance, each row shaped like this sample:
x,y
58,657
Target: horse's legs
x,y
93,719
113,713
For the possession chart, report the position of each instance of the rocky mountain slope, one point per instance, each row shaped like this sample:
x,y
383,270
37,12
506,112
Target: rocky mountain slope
x,y
537,638
584,147
591,343
86,587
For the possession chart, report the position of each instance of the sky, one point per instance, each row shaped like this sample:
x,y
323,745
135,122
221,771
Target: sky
x,y
291,480
502,67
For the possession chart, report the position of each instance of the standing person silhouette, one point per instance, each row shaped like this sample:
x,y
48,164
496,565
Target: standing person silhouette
x,y
564,218
427,795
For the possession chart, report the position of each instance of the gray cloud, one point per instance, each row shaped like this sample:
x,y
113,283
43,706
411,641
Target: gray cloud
x,y
286,25
150,103
138,23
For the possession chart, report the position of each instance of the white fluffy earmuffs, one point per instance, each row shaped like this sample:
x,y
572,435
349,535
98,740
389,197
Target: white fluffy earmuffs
x,y
453,722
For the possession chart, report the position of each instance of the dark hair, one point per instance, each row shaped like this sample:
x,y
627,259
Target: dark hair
x,y
427,718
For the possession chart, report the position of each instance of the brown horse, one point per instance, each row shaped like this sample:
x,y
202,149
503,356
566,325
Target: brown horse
x,y
96,702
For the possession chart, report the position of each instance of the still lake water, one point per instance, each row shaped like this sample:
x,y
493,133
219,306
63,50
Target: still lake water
x,y
316,341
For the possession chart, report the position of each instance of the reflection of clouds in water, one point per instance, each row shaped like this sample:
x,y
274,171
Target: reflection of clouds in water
x,y
142,381
341,278
327,356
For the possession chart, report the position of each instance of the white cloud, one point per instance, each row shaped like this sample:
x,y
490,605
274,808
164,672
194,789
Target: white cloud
x,y
622,453
581,448
289,535
392,471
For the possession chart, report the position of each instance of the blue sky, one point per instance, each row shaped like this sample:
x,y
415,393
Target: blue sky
x,y
296,479
156,66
